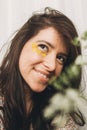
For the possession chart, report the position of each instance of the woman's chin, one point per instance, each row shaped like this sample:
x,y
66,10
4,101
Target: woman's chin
x,y
38,90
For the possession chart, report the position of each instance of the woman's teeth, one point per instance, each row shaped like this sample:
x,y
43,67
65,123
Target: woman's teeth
x,y
43,75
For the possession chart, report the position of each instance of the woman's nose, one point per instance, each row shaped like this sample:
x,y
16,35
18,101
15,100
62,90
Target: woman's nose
x,y
50,63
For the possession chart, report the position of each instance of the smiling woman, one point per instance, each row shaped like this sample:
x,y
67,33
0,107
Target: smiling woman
x,y
40,67
40,50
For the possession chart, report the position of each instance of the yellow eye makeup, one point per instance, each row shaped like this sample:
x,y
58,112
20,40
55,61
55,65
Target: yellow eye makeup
x,y
39,50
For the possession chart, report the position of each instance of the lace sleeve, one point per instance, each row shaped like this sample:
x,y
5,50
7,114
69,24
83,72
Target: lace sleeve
x,y
1,114
1,123
69,124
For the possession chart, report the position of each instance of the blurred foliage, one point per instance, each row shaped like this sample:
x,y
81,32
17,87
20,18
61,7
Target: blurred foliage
x,y
68,96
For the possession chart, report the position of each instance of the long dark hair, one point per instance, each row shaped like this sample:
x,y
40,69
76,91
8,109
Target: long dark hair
x,y
12,84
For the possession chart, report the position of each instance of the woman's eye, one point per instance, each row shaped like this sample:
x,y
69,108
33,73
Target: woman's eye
x,y
61,59
43,48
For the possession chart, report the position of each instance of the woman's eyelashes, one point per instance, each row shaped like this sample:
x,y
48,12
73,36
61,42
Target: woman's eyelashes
x,y
61,58
44,48
40,49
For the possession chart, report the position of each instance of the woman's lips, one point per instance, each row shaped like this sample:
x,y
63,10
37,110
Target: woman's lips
x,y
42,76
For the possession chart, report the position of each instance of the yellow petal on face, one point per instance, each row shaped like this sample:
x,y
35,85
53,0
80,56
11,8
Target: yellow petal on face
x,y
36,49
34,45
44,54
41,53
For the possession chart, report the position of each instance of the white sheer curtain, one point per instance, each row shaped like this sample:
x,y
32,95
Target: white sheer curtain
x,y
13,13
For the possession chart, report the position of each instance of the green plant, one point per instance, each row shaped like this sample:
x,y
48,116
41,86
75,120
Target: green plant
x,y
68,96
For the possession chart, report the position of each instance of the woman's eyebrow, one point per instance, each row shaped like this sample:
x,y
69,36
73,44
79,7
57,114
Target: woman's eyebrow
x,y
48,43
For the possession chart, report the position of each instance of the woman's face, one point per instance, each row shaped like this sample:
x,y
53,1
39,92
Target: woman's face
x,y
42,57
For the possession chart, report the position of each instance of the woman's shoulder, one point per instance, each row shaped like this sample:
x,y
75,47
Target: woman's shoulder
x,y
66,123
